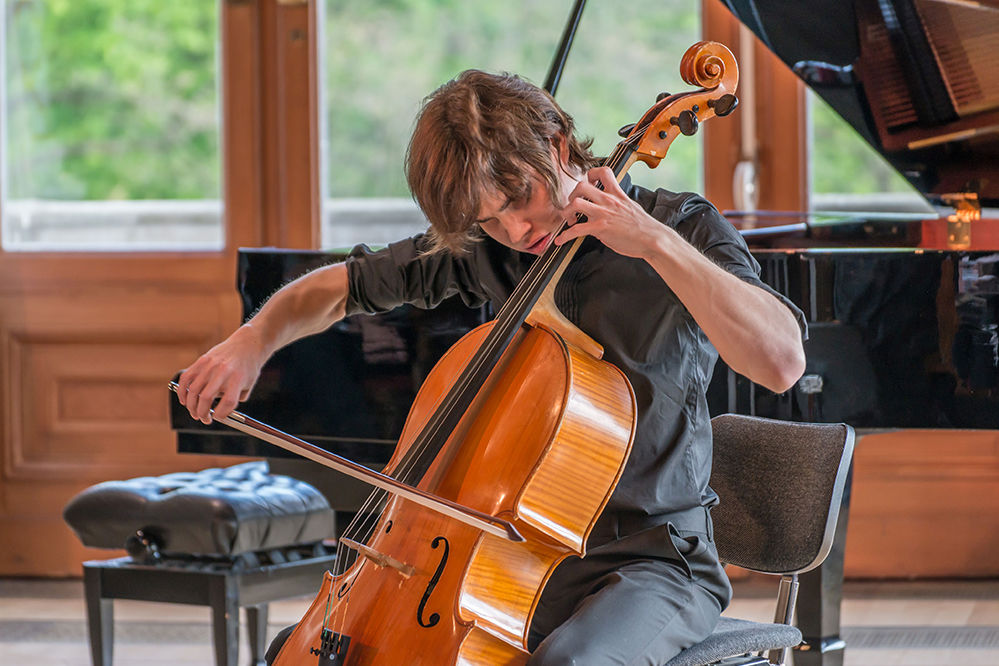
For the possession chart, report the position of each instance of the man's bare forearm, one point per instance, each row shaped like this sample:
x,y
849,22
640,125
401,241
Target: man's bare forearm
x,y
228,371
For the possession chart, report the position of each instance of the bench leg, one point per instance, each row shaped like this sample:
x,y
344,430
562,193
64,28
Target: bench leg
x,y
225,621
100,618
256,625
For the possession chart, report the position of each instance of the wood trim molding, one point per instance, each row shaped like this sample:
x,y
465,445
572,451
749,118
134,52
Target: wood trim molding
x,y
289,100
242,134
723,136
924,505
781,138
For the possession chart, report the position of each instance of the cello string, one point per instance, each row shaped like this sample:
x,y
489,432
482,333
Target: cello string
x,y
536,279
521,296
510,314
341,565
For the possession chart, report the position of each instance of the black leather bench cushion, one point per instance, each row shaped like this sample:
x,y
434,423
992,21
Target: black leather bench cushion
x,y
216,511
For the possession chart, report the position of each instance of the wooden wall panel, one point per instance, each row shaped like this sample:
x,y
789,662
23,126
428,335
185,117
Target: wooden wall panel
x,y
925,504
83,384
85,404
88,340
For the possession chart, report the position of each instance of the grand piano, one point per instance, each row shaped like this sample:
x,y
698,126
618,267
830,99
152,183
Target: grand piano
x,y
903,314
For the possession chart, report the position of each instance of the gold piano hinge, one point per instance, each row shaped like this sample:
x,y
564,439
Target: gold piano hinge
x,y
967,208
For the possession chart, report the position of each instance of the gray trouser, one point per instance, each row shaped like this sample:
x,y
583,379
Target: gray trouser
x,y
636,600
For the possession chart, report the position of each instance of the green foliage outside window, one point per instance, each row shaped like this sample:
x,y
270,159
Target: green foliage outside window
x,y
111,99
842,162
384,56
117,99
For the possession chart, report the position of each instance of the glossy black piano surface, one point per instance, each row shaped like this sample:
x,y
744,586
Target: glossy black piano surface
x,y
917,79
348,389
898,339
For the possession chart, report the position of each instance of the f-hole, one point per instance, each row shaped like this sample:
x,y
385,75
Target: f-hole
x,y
434,617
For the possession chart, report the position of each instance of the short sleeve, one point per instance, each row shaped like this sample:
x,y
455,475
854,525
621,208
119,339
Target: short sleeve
x,y
705,228
407,272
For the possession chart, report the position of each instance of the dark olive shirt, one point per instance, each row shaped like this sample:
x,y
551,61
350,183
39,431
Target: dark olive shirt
x,y
623,304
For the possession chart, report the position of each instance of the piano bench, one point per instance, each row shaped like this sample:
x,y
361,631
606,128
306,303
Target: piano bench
x,y
225,538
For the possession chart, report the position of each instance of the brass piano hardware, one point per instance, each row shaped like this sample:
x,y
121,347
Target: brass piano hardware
x,y
292,3
967,209
961,135
379,559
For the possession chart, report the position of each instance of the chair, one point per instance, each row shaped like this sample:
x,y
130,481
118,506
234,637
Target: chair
x,y
780,485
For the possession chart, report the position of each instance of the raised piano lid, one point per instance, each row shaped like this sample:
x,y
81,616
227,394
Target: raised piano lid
x,y
917,79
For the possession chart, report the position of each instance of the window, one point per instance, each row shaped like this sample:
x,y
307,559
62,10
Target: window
x,y
847,173
382,57
110,135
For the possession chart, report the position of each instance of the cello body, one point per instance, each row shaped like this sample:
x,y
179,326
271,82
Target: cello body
x,y
543,446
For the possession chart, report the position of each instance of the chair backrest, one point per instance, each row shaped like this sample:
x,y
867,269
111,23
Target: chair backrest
x,y
780,484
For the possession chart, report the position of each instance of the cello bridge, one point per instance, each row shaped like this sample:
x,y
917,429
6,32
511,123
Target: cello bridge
x,y
379,559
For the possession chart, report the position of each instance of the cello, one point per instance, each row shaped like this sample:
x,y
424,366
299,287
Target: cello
x,y
521,422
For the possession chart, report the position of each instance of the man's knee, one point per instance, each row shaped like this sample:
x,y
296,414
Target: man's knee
x,y
277,644
555,652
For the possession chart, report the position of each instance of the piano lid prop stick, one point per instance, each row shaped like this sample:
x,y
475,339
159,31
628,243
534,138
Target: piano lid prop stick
x,y
477,519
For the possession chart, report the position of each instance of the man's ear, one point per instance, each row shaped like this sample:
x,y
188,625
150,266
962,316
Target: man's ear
x,y
561,147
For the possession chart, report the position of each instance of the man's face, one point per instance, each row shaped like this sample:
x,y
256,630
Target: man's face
x,y
529,223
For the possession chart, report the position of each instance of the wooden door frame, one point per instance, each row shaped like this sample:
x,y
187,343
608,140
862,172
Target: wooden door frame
x,y
781,133
89,339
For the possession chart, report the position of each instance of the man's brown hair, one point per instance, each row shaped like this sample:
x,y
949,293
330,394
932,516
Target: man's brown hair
x,y
483,133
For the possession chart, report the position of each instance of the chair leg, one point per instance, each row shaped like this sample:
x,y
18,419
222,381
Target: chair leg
x,y
256,624
225,621
786,598
100,618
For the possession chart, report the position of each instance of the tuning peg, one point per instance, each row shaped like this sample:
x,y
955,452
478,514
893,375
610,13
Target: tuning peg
x,y
661,96
724,105
687,122
625,131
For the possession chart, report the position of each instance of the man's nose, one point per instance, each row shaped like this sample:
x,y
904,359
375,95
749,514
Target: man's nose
x,y
518,228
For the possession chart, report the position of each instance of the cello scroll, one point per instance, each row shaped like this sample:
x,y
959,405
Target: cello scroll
x,y
709,65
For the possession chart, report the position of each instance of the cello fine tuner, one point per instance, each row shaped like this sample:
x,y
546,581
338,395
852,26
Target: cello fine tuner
x,y
379,559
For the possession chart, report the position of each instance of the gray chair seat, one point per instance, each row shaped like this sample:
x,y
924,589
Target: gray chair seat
x,y
733,636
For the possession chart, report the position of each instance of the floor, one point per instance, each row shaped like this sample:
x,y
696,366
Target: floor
x,y
913,623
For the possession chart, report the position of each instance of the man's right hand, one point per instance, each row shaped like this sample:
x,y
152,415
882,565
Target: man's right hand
x,y
227,371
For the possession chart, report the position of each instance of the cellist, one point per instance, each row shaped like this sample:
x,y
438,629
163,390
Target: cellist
x,y
662,281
